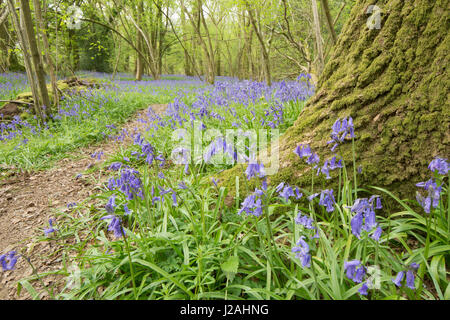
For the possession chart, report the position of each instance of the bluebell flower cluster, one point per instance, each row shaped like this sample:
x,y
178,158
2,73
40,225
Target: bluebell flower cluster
x,y
50,229
255,169
398,280
307,223
365,217
8,260
355,271
128,183
431,186
253,204
328,165
115,225
286,191
302,252
440,165
326,199
340,130
305,151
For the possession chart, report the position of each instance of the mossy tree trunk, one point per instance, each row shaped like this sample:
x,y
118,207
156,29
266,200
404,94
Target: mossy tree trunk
x,y
393,81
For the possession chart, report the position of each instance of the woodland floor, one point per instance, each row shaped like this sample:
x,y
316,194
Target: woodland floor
x,y
27,201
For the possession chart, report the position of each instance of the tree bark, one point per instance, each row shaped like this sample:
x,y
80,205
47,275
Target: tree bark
x,y
35,54
264,50
48,58
394,83
26,58
316,26
329,20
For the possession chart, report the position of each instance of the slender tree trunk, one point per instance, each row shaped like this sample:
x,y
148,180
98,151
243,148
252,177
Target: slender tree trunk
x,y
316,25
329,20
139,40
26,58
50,66
35,54
264,50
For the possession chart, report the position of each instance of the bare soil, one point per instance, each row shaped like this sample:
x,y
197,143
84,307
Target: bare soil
x,y
27,201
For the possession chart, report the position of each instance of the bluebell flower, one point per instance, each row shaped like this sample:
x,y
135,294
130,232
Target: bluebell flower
x,y
305,221
252,204
126,210
303,151
174,198
111,205
440,165
340,130
298,194
433,197
279,187
376,235
255,169
115,225
8,260
327,200
357,223
409,276
115,166
302,252
350,268
287,193
365,218
363,289
410,280
398,279
311,197
182,185
51,229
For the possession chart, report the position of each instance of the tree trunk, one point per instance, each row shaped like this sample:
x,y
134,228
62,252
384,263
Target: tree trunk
x,y
330,25
319,49
139,44
393,82
35,54
265,61
50,66
26,57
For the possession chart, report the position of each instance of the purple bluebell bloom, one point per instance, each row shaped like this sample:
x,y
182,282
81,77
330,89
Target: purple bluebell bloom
x,y
398,279
433,197
115,225
287,193
302,252
440,165
350,268
111,205
8,260
255,169
126,209
327,200
115,166
363,289
51,229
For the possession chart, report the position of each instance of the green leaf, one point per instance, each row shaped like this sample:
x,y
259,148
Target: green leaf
x,y
230,267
